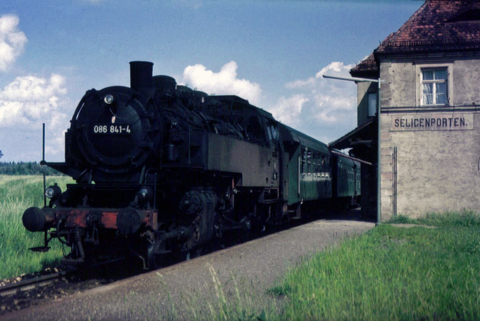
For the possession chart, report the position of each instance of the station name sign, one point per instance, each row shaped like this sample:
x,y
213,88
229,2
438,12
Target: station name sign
x,y
432,122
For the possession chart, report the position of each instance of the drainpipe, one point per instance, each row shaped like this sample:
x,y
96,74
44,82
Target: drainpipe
x,y
379,172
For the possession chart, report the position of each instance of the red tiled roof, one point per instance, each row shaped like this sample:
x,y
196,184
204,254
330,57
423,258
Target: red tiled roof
x,y
438,25
366,68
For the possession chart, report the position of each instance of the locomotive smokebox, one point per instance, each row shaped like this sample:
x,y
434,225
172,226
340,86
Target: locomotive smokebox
x,y
141,76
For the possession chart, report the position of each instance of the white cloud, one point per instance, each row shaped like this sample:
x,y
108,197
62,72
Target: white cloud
x,y
223,82
288,110
334,108
325,101
323,108
334,67
12,41
31,99
301,84
28,102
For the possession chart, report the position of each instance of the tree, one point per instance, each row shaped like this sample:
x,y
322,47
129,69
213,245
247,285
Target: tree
x,y
28,168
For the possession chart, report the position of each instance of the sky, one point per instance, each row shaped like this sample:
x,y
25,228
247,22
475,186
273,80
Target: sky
x,y
271,52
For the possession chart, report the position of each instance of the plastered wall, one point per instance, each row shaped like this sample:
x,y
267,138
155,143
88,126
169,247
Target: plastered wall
x,y
438,148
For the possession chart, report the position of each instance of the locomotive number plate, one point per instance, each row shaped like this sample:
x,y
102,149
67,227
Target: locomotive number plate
x,y
112,129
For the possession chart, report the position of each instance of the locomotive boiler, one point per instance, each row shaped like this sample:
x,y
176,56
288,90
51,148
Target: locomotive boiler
x,y
163,169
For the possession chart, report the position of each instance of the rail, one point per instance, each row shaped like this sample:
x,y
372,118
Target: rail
x,y
30,284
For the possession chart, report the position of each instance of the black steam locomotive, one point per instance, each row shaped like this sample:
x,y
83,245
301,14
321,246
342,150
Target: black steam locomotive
x,y
162,169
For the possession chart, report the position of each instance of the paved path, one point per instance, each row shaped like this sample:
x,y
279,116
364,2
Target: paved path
x,y
177,291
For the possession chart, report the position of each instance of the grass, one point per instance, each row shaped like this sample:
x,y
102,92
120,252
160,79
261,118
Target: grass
x,y
17,193
392,273
234,299
465,218
232,303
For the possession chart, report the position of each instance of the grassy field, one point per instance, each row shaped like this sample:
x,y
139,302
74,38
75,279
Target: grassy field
x,y
17,193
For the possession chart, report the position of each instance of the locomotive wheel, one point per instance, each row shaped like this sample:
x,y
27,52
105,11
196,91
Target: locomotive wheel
x,y
188,255
194,253
259,222
154,260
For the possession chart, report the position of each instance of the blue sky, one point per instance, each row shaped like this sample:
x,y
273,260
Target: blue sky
x,y
270,52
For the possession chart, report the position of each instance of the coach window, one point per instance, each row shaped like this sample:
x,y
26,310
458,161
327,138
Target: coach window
x,y
306,160
327,168
324,166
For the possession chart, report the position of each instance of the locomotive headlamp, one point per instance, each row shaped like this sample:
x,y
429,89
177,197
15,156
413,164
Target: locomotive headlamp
x,y
49,193
53,191
109,99
145,193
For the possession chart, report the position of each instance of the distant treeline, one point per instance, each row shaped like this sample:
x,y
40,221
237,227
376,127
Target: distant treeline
x,y
30,168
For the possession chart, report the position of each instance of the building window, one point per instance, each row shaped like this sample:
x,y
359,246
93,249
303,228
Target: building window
x,y
434,86
372,104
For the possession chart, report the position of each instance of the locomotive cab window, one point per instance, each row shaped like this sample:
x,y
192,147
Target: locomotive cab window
x,y
255,130
275,132
272,133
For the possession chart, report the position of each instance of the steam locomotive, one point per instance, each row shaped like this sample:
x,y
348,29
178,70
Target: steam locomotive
x,y
162,169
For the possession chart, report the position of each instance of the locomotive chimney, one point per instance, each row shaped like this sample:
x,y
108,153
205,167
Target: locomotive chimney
x,y
141,76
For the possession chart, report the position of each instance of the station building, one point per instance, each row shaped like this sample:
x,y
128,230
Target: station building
x,y
429,97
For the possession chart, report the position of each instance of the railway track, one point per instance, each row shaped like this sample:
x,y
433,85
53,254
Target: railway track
x,y
36,290
42,289
11,289
17,295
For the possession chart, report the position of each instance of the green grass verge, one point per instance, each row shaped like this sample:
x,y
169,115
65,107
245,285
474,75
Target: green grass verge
x,y
17,193
392,273
465,218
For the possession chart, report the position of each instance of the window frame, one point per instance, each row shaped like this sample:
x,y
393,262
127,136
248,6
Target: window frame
x,y
434,82
420,82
